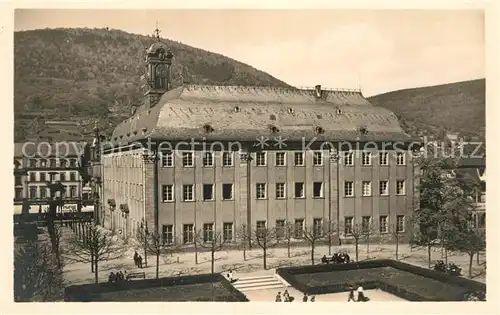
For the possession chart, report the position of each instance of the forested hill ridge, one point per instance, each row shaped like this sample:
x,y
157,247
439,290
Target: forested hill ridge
x,y
81,73
435,110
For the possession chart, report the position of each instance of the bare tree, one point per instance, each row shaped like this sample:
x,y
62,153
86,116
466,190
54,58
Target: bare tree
x,y
330,232
469,241
356,232
265,238
397,234
214,241
243,239
367,230
287,235
157,245
56,242
95,247
312,235
37,276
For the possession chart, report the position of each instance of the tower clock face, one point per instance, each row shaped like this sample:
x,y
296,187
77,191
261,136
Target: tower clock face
x,y
161,71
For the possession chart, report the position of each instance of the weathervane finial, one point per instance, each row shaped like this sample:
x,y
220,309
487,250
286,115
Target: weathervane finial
x,y
157,32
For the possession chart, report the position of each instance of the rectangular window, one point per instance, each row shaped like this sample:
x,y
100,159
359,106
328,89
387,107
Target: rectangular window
x,y
167,159
348,224
227,159
318,158
187,193
208,159
299,229
32,177
260,158
299,190
72,176
53,163
261,228
42,177
400,187
280,190
72,191
62,177
383,158
208,192
299,158
167,193
348,189
188,233
32,163
318,190
19,193
349,158
52,177
280,228
318,227
400,223
481,220
261,190
43,192
384,188
383,224
365,224
367,188
367,158
208,232
280,159
18,181
227,191
400,158
187,159
167,234
32,192
228,232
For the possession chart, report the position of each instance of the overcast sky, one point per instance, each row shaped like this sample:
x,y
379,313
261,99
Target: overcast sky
x,y
379,51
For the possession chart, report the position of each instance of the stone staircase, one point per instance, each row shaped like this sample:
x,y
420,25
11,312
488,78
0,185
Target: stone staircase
x,y
260,283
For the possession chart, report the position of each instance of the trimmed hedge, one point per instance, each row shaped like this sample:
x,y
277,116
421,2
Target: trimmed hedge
x,y
457,286
92,292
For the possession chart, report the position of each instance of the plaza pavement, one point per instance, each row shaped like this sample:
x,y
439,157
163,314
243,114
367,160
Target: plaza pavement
x,y
184,263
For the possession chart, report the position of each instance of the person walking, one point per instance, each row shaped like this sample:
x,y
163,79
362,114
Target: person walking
x,y
136,259
139,260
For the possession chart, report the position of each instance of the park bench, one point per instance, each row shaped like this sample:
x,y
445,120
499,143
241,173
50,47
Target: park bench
x,y
136,275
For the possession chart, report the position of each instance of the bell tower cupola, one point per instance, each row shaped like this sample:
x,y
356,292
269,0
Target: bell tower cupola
x,y
158,70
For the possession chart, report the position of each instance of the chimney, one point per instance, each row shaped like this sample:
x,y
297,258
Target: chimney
x,y
318,91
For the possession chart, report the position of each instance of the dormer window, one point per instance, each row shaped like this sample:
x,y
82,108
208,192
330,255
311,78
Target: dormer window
x,y
291,111
273,129
237,109
339,111
363,130
320,130
272,117
208,128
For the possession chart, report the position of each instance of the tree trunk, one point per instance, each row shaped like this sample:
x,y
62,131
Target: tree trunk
x,y
244,251
478,262
96,272
213,260
445,256
397,248
312,253
429,255
91,262
356,241
368,247
288,247
329,244
157,264
265,258
471,259
195,252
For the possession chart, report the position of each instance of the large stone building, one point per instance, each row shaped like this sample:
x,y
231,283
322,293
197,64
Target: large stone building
x,y
36,164
215,158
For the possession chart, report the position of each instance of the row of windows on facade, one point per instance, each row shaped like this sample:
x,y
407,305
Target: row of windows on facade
x,y
280,190
43,192
131,190
42,177
167,159
52,163
297,231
